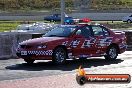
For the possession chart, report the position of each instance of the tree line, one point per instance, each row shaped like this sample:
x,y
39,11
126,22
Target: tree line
x,y
31,4
111,4
51,4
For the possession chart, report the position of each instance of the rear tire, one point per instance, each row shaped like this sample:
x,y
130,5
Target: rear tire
x,y
29,61
59,55
111,53
129,21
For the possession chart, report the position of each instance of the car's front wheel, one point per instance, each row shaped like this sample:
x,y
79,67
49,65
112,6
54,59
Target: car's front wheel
x,y
29,61
83,58
111,53
59,55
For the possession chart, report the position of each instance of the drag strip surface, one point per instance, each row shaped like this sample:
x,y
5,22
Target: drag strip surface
x,y
92,16
11,69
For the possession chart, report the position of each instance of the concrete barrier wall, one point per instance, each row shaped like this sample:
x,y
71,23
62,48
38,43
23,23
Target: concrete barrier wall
x,y
129,39
9,42
5,45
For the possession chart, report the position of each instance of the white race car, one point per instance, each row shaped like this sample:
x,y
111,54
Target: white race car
x,y
38,27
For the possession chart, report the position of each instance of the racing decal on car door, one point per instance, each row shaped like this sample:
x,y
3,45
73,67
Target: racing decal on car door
x,y
88,43
65,43
74,43
104,41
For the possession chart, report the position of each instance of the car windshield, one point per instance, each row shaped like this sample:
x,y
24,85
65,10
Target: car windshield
x,y
60,31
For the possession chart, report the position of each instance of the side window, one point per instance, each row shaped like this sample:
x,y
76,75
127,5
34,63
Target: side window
x,y
97,30
78,32
85,31
59,16
54,15
106,32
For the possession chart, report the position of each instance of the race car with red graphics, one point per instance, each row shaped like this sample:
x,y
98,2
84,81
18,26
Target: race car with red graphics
x,y
73,41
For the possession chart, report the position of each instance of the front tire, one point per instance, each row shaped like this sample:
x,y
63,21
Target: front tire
x,y
83,58
111,53
29,61
59,55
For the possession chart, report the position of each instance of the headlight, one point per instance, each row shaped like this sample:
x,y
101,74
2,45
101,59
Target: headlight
x,y
41,46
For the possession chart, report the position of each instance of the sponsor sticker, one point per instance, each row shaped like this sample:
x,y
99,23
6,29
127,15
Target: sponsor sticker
x,y
83,78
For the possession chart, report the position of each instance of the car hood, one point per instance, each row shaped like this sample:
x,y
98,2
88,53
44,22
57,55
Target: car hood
x,y
41,40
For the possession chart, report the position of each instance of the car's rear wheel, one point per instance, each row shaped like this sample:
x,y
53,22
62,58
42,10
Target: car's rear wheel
x,y
29,61
129,21
51,20
111,53
59,55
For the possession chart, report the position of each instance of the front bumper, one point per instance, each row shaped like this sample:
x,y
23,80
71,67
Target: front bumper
x,y
123,48
35,54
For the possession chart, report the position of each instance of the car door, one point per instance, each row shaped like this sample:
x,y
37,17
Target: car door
x,y
103,38
57,17
83,46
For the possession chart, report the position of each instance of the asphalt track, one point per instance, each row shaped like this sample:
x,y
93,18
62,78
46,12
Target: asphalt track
x,y
14,73
93,16
11,69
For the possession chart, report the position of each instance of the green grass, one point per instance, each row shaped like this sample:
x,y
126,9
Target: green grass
x,y
11,25
8,26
